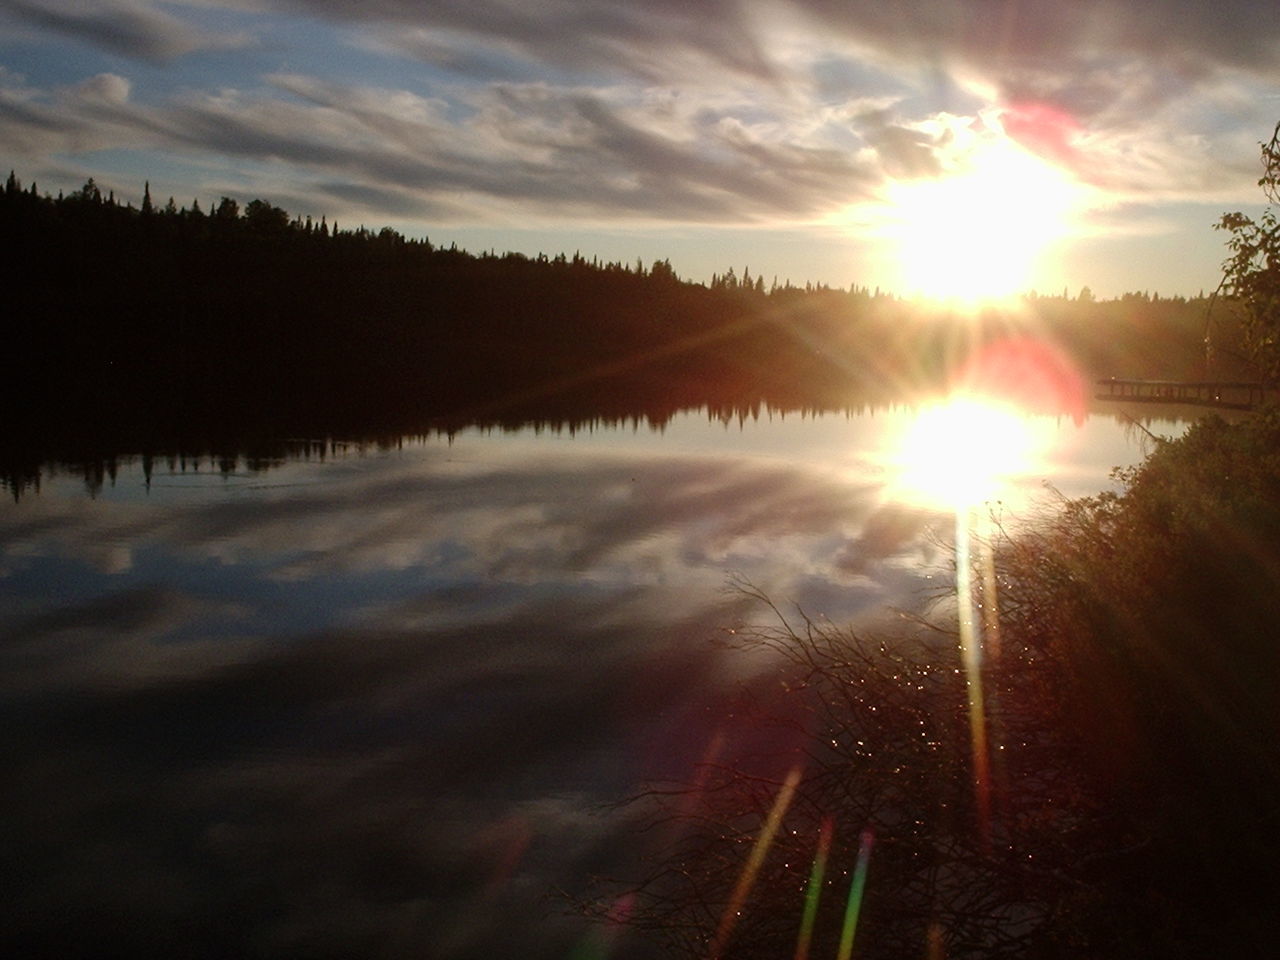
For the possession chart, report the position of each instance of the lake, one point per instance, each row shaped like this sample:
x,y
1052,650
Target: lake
x,y
379,699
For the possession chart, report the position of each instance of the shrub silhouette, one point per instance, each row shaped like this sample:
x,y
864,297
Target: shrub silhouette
x,y
879,730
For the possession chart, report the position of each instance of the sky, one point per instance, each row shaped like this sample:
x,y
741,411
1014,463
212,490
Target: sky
x,y
938,147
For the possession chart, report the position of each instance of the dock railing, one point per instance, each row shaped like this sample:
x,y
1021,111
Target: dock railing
x,y
1234,395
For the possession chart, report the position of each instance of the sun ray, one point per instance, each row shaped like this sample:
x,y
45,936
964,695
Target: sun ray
x,y
971,657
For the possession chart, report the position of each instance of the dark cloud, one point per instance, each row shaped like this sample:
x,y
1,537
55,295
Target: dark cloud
x,y
336,796
132,29
1076,55
890,531
28,126
905,152
647,39
389,199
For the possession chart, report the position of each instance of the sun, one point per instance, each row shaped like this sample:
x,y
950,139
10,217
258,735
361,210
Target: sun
x,y
964,451
977,232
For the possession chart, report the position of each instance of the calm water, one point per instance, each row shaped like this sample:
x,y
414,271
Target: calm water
x,y
373,704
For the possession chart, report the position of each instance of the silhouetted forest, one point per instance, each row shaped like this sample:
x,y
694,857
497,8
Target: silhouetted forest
x,y
131,327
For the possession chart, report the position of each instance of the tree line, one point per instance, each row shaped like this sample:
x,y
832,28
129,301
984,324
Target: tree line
x,y
156,321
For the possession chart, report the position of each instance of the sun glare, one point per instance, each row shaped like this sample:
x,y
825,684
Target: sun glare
x,y
964,451
977,232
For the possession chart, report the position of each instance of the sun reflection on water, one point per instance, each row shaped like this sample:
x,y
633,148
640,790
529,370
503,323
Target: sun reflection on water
x,y
964,455
965,451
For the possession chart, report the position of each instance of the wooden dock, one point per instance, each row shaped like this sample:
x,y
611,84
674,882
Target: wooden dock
x,y
1231,395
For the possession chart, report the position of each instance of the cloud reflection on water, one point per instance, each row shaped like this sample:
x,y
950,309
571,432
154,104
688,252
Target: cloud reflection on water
x,y
373,705
311,717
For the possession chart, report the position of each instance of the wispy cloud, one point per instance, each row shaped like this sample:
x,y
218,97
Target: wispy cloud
x,y
550,151
132,28
1078,54
599,114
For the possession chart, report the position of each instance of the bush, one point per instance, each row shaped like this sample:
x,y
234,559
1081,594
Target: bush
x,y
879,732
1160,606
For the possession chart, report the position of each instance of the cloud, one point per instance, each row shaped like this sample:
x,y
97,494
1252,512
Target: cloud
x,y
1030,49
300,800
905,152
105,88
334,792
1079,57
415,535
132,28
551,151
115,642
649,40
1109,69
598,113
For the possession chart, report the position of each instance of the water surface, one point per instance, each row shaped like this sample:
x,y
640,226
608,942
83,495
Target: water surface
x,y
376,702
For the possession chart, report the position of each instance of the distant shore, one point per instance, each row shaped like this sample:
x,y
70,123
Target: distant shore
x,y
142,328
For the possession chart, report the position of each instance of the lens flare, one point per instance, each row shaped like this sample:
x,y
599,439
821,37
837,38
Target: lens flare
x,y
748,876
813,892
856,888
598,943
